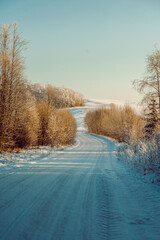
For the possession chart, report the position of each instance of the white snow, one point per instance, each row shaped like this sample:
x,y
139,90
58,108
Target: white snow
x,y
94,103
81,192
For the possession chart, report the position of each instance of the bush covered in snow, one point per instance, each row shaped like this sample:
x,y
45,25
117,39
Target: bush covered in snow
x,y
120,123
144,155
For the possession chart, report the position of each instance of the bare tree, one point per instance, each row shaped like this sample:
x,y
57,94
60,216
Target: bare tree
x,y
12,82
150,83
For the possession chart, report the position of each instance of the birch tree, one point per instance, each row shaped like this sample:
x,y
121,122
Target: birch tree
x,y
150,83
12,82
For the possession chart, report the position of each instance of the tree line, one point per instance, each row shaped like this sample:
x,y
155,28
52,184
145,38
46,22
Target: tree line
x,y
25,119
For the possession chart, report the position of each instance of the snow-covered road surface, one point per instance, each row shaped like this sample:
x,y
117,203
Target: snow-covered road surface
x,y
80,193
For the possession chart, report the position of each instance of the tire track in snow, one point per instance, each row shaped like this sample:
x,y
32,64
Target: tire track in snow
x,y
84,193
18,219
107,217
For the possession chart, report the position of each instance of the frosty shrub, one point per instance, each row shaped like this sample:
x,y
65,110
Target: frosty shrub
x,y
57,127
38,91
58,97
62,128
96,120
144,152
62,97
27,128
44,111
145,156
120,123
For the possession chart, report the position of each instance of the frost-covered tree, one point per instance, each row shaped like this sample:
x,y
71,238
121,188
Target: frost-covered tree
x,y
58,97
12,82
150,83
61,97
38,91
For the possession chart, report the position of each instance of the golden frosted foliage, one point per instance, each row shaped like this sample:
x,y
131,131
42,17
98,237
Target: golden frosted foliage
x,y
120,123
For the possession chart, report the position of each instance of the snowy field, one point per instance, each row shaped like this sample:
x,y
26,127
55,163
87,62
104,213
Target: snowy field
x,y
81,192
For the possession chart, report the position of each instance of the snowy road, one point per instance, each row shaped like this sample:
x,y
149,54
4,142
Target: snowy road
x,y
82,192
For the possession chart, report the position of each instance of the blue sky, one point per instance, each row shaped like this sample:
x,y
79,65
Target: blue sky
x,y
96,47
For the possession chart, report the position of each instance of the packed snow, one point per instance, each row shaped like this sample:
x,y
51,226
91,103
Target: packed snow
x,y
79,192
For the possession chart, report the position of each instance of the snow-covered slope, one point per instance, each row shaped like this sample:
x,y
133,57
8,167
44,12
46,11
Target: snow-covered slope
x,y
94,103
105,102
81,192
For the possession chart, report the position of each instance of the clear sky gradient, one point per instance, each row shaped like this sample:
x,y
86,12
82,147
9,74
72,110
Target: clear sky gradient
x,y
96,47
